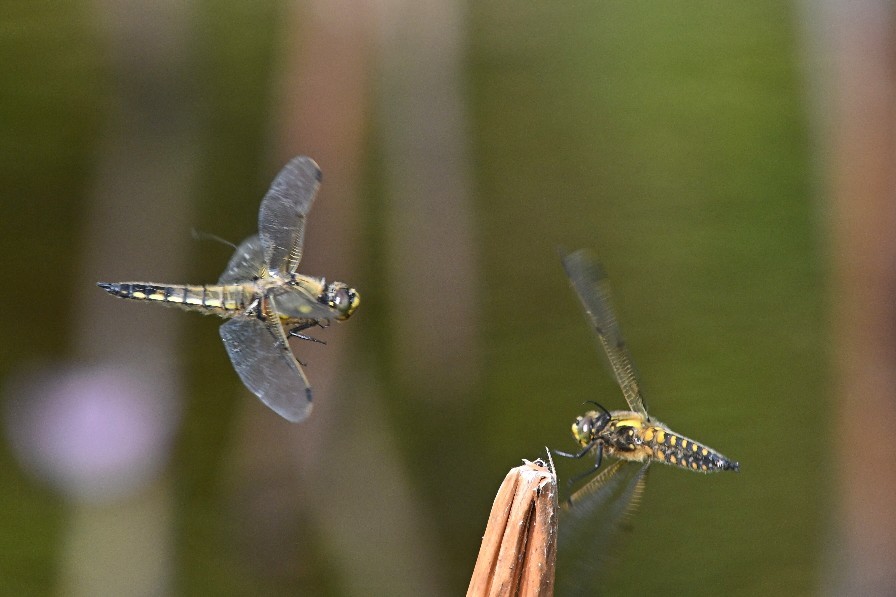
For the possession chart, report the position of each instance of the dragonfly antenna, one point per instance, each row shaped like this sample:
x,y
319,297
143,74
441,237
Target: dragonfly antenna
x,y
598,405
200,235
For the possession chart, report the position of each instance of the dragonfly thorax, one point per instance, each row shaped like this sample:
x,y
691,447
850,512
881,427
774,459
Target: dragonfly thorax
x,y
306,298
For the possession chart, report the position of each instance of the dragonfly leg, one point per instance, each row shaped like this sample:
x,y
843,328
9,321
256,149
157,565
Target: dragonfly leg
x,y
297,331
597,461
578,454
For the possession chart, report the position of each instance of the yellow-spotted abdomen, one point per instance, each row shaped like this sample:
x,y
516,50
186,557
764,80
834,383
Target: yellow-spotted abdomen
x,y
677,450
633,436
222,300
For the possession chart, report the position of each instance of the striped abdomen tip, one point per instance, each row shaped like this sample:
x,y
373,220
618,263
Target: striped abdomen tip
x,y
120,289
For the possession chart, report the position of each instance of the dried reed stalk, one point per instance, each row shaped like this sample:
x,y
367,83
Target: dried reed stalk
x,y
519,548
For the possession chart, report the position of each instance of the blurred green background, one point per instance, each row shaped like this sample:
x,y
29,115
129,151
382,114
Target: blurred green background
x,y
671,138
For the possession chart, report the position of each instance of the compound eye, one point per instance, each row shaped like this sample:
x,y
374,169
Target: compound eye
x,y
340,301
343,299
582,429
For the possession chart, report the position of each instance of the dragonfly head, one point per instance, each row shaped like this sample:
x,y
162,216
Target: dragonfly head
x,y
588,426
343,299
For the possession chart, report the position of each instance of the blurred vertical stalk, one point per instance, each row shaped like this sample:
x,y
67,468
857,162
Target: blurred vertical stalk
x,y
858,42
339,472
432,254
136,227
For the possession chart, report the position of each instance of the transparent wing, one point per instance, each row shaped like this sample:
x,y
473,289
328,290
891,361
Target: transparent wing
x,y
591,284
263,360
281,219
590,522
246,263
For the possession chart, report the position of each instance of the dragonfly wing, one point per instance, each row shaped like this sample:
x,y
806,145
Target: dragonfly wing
x,y
591,284
590,521
262,358
281,219
246,264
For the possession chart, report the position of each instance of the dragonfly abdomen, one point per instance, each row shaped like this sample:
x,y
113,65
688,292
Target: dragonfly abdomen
x,y
223,300
677,450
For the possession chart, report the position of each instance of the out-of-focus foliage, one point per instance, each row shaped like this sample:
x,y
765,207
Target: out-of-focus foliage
x,y
669,138
51,90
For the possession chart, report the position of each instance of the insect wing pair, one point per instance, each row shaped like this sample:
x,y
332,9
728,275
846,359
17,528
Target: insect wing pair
x,y
594,512
263,297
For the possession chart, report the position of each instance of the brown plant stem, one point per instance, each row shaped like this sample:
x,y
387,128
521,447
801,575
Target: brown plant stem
x,y
519,548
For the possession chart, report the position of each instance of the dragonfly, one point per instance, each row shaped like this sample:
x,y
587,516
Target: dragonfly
x,y
263,297
633,438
